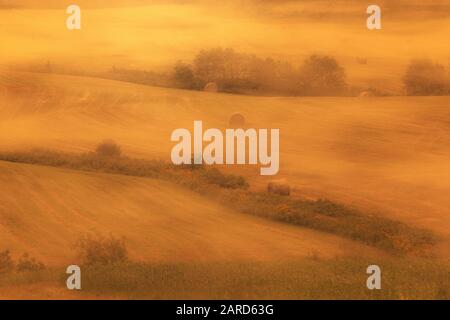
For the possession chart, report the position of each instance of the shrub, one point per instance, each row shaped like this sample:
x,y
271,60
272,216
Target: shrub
x,y
422,77
108,148
6,262
230,181
279,187
27,263
322,75
184,76
101,250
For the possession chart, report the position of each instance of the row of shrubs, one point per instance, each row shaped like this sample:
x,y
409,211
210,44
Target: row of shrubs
x,y
233,191
230,71
107,158
233,72
23,264
107,269
101,250
91,250
318,75
335,218
338,278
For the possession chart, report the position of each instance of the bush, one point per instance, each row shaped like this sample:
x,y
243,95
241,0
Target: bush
x,y
322,76
184,76
27,263
230,181
310,278
6,262
108,148
101,250
423,78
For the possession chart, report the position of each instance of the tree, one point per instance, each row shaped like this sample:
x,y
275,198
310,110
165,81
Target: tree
x,y
222,66
424,78
237,72
6,262
322,75
184,76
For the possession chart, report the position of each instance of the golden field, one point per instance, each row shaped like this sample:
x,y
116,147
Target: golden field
x,y
385,156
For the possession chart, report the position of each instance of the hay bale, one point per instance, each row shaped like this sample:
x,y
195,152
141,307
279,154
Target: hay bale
x,y
237,120
211,87
366,94
280,187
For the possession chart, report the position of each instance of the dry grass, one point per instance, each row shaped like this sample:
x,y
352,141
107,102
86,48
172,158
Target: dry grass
x,y
300,279
24,264
304,279
107,271
338,219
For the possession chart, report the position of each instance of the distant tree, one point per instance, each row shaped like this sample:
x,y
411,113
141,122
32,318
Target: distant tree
x,y
184,76
216,65
237,72
422,77
271,76
322,75
100,250
27,263
6,262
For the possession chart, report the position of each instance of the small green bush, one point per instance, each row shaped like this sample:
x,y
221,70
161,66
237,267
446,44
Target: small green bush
x,y
6,262
24,264
101,250
214,176
424,78
309,278
27,263
108,148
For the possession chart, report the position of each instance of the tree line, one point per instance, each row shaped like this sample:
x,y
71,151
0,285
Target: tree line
x,y
243,73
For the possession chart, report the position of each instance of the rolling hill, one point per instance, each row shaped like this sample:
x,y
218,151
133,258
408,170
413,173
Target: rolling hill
x,y
189,234
45,210
387,156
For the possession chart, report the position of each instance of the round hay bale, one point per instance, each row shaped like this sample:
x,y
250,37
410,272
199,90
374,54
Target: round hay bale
x,y
365,94
237,120
211,87
280,187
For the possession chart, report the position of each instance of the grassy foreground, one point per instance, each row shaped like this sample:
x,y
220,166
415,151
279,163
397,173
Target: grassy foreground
x,y
310,278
